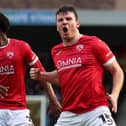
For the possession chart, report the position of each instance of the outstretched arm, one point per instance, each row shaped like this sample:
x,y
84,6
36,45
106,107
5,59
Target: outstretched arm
x,y
54,104
32,59
37,74
118,78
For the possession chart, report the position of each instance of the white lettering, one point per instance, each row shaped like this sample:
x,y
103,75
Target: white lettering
x,y
6,69
74,61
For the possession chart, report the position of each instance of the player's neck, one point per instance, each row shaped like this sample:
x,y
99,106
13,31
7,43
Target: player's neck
x,y
71,41
3,39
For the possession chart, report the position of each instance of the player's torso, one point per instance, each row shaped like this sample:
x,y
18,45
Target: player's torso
x,y
12,70
11,59
76,61
78,67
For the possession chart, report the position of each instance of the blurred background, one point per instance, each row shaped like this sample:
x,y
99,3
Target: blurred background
x,y
34,22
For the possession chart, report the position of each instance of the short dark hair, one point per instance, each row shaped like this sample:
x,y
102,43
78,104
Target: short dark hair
x,y
67,8
4,23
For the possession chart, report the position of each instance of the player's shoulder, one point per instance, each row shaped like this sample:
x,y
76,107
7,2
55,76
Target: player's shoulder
x,y
18,42
57,47
90,38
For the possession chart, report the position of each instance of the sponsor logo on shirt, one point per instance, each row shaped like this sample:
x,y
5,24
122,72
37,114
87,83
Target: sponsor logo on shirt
x,y
68,63
6,69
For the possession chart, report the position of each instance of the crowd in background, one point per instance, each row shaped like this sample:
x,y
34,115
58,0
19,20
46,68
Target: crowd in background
x,y
47,4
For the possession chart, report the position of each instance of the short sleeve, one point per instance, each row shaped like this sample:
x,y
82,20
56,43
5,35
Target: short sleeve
x,y
31,58
103,52
29,55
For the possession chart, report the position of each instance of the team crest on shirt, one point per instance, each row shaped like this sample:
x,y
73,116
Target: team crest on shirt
x,y
10,55
79,47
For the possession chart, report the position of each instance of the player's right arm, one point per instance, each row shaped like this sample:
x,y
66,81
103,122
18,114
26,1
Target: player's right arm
x,y
32,59
52,77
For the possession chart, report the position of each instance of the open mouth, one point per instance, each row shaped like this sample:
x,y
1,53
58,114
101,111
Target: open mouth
x,y
65,29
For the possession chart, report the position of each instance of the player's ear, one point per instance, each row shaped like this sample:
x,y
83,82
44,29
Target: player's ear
x,y
78,24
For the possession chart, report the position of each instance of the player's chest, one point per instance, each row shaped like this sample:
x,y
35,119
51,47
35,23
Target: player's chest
x,y
10,55
79,54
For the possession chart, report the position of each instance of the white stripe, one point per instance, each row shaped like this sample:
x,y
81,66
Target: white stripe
x,y
34,61
33,56
110,61
67,67
6,73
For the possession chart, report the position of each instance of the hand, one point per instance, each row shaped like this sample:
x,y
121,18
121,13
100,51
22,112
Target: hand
x,y
35,73
54,108
113,101
3,91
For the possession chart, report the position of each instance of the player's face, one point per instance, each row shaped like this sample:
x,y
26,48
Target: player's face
x,y
67,25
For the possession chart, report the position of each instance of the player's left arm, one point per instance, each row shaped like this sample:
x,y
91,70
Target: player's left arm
x,y
118,78
106,57
3,91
